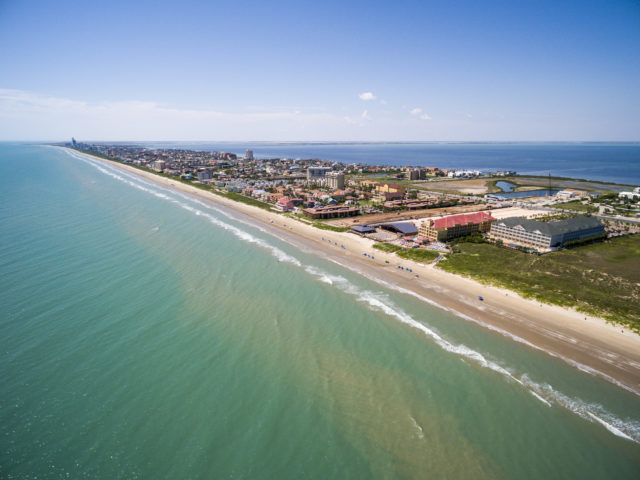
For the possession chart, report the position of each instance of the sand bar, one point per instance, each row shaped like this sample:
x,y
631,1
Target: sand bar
x,y
586,342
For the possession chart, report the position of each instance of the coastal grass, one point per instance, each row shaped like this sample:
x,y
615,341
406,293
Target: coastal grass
x,y
236,197
415,254
602,279
418,255
492,186
567,179
387,247
576,206
324,226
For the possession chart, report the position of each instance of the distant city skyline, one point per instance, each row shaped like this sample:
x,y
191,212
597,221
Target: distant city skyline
x,y
330,71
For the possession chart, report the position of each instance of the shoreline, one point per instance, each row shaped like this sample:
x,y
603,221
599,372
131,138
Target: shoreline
x,y
585,342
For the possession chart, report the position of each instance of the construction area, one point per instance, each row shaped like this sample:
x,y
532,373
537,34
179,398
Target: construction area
x,y
402,216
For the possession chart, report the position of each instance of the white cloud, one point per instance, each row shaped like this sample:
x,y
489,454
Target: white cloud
x,y
468,115
365,115
27,115
383,102
366,96
417,112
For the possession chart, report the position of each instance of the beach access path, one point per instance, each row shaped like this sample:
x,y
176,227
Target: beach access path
x,y
586,342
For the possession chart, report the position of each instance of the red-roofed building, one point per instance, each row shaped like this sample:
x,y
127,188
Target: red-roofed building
x,y
284,204
453,226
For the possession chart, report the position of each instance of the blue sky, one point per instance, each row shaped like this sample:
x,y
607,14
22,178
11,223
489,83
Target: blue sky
x,y
242,70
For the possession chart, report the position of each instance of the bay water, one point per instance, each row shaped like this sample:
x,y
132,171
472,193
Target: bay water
x,y
147,334
607,162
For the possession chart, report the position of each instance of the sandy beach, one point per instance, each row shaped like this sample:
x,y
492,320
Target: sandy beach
x,y
586,342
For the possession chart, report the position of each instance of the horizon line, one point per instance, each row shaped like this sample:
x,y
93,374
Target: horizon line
x,y
327,142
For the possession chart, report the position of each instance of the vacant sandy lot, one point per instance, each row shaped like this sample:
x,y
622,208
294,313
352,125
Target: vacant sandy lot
x,y
472,186
509,212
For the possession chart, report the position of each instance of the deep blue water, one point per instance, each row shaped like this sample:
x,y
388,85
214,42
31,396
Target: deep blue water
x,y
506,186
530,193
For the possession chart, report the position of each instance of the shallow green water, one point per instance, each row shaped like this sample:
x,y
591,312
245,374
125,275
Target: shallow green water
x,y
146,335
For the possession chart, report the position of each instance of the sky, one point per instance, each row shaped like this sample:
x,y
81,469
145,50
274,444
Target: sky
x,y
320,71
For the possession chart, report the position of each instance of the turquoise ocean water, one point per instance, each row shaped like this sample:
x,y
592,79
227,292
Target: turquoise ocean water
x,y
145,334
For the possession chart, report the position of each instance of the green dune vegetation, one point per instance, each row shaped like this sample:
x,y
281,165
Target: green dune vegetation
x,y
416,254
601,279
387,247
576,206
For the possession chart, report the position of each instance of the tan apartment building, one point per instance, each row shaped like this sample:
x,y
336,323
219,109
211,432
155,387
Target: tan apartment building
x,y
446,228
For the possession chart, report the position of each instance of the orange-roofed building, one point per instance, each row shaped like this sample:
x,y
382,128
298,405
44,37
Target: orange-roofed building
x,y
274,197
446,228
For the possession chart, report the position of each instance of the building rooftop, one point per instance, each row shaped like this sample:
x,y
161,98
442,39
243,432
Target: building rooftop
x,y
552,228
332,208
363,228
405,228
462,219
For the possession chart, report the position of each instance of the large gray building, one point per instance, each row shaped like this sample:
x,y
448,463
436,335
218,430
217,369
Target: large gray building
x,y
545,236
317,173
335,180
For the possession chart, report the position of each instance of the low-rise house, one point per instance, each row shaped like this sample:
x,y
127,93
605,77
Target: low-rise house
x,y
234,188
338,195
427,197
570,193
284,204
406,204
633,196
260,195
274,197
